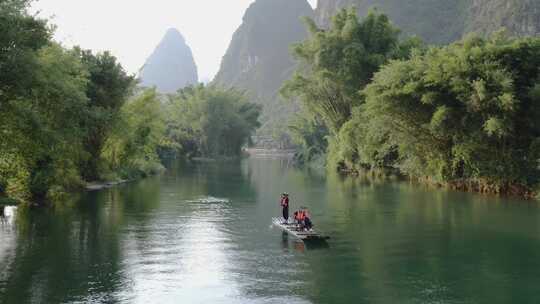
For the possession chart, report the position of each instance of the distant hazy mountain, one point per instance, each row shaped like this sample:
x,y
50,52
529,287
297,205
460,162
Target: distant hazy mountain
x,y
444,21
171,65
258,58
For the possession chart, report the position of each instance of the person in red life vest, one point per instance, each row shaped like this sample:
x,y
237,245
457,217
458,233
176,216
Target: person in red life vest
x,y
307,220
285,206
303,219
299,219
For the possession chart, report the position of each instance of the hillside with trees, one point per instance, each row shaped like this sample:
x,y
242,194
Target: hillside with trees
x,y
443,21
258,59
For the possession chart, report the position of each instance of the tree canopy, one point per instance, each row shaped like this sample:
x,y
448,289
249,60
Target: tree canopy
x,y
71,116
336,63
211,121
108,88
21,38
58,107
41,129
468,112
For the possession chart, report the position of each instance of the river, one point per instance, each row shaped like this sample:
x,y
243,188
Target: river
x,y
200,233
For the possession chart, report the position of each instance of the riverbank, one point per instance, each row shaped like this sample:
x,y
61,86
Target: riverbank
x,y
480,186
214,159
245,153
270,152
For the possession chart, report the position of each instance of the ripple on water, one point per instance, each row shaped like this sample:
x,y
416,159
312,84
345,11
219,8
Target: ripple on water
x,y
209,199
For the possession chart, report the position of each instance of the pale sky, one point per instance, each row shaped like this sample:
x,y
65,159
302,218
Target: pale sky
x,y
131,29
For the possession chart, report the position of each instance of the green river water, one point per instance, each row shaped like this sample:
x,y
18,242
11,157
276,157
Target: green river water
x,y
201,233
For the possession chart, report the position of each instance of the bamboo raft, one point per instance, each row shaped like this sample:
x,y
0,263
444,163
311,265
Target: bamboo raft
x,y
294,229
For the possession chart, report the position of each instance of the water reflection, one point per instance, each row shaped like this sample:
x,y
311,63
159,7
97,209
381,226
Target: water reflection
x,y
7,242
7,214
302,246
184,258
285,241
200,234
57,248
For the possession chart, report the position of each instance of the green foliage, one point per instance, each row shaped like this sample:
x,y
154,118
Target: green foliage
x,y
310,135
14,176
131,148
210,121
465,115
21,37
42,128
66,116
363,145
338,62
52,101
467,112
108,88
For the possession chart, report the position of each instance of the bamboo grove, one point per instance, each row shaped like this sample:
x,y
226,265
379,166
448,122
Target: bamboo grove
x,y
465,115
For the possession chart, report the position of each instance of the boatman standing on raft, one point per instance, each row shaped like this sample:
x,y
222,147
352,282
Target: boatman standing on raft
x,y
285,206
